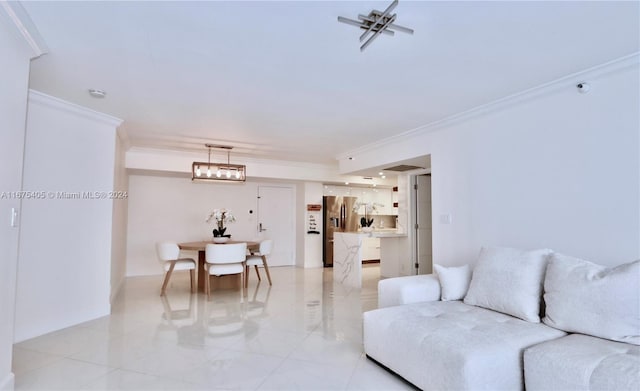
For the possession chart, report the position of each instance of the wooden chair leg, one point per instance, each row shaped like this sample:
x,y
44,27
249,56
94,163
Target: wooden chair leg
x,y
245,278
207,277
166,278
192,274
257,272
266,268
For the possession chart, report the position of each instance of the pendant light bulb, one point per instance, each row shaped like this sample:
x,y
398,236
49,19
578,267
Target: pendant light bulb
x,y
218,171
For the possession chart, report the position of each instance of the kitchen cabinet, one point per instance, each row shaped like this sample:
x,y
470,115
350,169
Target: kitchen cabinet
x,y
382,196
379,196
370,249
386,199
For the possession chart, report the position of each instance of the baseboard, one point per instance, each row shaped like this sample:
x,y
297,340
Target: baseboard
x,y
115,291
7,383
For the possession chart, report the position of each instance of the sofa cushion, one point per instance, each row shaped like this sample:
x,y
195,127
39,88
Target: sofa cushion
x,y
454,281
509,280
408,289
445,345
580,362
586,298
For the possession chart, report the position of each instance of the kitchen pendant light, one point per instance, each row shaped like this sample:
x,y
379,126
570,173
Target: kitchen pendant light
x,y
239,170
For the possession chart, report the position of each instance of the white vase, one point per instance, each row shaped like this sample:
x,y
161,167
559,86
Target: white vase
x,y
220,239
366,229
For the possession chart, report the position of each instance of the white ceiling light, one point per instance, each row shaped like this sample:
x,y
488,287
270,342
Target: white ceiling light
x,y
376,23
97,93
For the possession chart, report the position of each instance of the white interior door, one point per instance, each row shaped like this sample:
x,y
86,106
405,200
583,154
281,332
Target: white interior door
x,y
276,222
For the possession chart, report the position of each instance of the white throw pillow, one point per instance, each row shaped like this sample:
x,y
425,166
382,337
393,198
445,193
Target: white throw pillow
x,y
509,280
582,297
454,281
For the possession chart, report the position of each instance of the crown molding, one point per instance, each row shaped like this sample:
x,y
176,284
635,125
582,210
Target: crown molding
x,y
24,27
609,67
37,97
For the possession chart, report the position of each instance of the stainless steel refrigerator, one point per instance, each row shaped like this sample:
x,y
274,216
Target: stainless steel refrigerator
x,y
338,216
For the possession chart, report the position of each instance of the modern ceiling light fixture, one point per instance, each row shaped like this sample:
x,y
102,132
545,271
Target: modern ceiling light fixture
x,y
376,23
223,171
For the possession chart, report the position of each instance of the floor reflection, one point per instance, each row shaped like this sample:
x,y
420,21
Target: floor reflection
x,y
286,336
225,315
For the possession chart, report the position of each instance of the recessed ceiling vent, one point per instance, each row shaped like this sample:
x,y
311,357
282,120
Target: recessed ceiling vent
x,y
403,168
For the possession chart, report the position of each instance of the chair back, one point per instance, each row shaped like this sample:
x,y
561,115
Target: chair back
x,y
265,247
167,251
226,253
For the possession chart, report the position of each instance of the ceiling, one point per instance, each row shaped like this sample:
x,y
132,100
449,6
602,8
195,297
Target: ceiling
x,y
285,80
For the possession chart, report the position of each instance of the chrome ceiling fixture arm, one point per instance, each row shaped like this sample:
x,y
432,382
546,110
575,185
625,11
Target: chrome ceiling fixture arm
x,y
364,46
379,20
376,23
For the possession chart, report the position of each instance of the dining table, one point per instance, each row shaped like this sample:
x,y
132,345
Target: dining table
x,y
228,281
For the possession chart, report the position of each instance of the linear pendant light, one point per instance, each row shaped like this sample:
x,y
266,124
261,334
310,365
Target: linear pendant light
x,y
208,171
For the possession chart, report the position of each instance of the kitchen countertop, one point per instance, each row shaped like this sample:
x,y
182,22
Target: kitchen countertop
x,y
388,234
383,233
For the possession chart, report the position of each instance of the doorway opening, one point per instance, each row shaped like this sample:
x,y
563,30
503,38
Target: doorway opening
x,y
422,252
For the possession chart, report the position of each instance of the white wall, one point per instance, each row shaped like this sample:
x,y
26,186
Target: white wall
x,y
175,208
300,224
64,263
552,168
119,229
313,243
14,79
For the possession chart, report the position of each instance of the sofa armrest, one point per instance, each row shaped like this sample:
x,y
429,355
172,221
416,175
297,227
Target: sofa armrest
x,y
409,289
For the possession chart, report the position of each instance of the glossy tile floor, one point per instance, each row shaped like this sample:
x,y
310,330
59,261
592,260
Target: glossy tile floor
x,y
303,333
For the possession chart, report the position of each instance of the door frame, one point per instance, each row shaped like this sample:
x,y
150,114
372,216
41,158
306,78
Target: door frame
x,y
415,210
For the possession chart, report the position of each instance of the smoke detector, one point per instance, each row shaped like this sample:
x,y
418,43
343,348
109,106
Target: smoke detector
x,y
97,93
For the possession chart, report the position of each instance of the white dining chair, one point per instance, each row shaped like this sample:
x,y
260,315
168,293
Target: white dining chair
x,y
169,255
259,258
223,259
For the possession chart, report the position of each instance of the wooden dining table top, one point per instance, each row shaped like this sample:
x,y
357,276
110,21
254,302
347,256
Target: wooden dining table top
x,y
201,246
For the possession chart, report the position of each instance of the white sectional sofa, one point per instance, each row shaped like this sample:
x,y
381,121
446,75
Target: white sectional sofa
x,y
488,330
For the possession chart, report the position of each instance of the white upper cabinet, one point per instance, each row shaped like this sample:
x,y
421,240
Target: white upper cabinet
x,y
381,196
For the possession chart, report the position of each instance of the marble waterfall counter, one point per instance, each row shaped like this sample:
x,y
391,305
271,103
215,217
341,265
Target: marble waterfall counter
x,y
347,255
347,258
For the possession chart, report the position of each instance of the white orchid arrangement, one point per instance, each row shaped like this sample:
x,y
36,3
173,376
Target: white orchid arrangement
x,y
369,208
221,216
